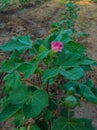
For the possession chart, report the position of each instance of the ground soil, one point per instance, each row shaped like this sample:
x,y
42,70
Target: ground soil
x,y
36,22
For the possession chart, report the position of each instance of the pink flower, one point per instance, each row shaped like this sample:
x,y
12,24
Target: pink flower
x,y
57,46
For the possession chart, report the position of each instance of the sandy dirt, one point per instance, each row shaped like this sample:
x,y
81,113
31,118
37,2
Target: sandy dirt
x,y
36,21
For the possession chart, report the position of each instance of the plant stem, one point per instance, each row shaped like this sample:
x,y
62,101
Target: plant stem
x,y
68,115
49,125
47,87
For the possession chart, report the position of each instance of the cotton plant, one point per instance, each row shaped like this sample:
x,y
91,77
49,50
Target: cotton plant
x,y
57,65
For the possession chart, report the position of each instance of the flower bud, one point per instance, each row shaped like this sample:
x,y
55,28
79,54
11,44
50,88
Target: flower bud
x,y
71,101
71,91
57,46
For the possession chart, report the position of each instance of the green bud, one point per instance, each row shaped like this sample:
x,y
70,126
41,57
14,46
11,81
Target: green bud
x,y
52,53
71,91
71,101
42,48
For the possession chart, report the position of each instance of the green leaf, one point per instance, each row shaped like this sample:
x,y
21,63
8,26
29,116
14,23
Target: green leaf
x,y
52,105
9,111
19,95
13,79
49,39
71,84
64,36
71,60
72,74
20,43
34,127
81,34
65,111
47,114
27,68
25,40
39,41
75,47
68,59
9,66
18,119
94,90
87,61
87,93
50,73
56,24
86,68
90,83
15,55
42,55
38,102
74,124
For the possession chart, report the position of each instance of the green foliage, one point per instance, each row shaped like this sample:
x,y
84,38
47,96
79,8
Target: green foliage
x,y
12,79
32,104
72,74
30,69
56,87
70,15
74,124
37,103
21,43
4,4
24,1
7,4
23,128
84,90
34,127
95,1
9,111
